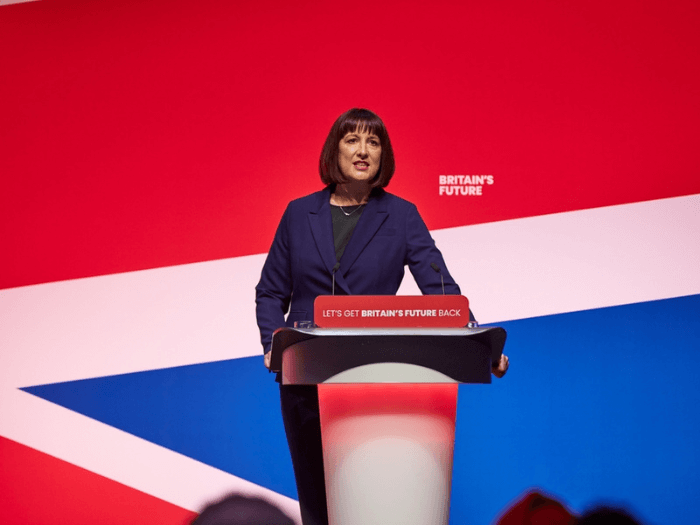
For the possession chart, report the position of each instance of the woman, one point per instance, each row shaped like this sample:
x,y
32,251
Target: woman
x,y
358,233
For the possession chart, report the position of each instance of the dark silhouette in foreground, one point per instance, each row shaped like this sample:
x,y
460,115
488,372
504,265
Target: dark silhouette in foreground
x,y
607,516
535,508
242,510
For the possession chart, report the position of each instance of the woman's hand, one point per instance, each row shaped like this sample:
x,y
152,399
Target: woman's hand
x,y
500,370
268,359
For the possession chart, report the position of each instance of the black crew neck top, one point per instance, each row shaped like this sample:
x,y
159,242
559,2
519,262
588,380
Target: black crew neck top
x,y
344,221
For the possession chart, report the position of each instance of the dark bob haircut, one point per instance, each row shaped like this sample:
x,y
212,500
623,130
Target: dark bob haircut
x,y
356,119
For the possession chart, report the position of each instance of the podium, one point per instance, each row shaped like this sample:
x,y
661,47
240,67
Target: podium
x,y
388,401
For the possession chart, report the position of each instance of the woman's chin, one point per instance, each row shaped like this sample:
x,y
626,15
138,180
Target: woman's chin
x,y
360,176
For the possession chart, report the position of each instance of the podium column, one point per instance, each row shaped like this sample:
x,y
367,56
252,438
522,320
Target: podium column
x,y
387,452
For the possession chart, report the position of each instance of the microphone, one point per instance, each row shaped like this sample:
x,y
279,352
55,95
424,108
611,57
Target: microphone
x,y
335,269
442,279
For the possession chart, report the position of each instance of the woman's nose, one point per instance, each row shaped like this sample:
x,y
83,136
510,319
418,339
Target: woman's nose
x,y
362,150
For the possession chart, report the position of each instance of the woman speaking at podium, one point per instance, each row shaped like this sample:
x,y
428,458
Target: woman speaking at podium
x,y
350,238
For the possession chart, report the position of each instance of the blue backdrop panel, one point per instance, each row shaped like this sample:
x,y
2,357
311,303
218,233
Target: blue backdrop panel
x,y
225,414
599,405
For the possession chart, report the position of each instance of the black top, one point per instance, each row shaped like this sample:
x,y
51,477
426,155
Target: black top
x,y
344,221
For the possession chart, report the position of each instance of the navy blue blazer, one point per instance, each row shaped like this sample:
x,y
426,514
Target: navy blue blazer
x,y
389,235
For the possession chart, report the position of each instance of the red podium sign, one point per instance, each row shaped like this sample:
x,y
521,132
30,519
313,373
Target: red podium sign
x,y
391,311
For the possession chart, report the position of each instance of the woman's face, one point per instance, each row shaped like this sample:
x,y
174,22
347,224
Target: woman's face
x,y
359,156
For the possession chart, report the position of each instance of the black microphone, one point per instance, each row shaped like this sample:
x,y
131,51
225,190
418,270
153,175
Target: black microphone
x,y
335,269
442,279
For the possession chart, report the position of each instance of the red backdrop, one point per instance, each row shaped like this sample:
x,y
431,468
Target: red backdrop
x,y
145,134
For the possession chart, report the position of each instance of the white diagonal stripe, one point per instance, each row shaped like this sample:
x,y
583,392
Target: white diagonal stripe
x,y
205,312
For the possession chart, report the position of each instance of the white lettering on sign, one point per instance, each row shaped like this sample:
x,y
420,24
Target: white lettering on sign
x,y
382,313
463,184
420,313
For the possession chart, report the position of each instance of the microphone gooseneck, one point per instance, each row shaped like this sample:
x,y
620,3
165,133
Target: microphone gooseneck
x,y
442,279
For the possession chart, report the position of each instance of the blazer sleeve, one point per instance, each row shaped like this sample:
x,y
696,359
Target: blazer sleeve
x,y
274,291
422,253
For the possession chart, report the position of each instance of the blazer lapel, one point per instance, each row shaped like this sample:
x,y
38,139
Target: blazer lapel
x,y
371,220
322,230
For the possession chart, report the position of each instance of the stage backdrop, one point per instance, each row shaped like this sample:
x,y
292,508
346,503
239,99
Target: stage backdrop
x,y
147,152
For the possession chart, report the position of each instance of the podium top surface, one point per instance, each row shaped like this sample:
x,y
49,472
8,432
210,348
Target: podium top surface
x,y
449,350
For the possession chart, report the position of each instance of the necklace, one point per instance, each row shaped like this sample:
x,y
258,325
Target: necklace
x,y
353,211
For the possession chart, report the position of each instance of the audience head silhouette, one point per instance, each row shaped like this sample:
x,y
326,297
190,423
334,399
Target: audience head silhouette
x,y
607,516
242,510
